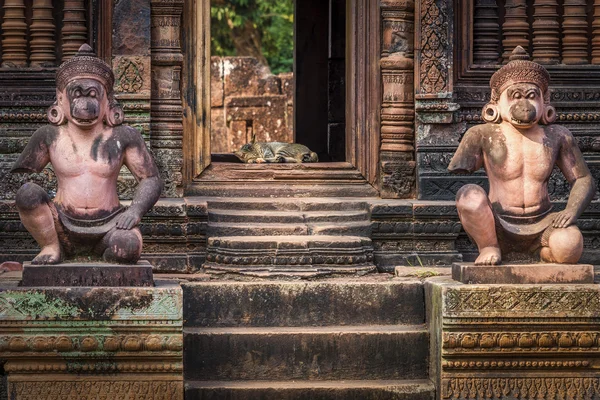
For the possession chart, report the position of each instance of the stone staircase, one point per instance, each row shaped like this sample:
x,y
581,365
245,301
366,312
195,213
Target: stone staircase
x,y
340,338
293,237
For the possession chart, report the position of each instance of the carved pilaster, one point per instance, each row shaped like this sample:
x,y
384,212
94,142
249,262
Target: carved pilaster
x,y
42,34
433,93
596,34
486,43
14,31
546,32
515,29
397,172
74,30
574,42
166,110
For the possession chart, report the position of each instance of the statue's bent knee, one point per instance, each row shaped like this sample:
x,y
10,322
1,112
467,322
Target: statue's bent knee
x,y
124,246
566,244
30,196
471,198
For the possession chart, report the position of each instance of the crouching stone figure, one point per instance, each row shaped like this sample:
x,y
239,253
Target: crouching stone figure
x,y
518,147
86,144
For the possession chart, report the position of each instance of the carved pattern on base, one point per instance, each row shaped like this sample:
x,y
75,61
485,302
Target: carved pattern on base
x,y
131,388
539,388
534,301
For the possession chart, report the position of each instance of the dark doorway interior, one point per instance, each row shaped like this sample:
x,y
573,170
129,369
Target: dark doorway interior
x,y
320,73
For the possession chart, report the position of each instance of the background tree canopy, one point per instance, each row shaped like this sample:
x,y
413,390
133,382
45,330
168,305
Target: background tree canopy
x,y
259,28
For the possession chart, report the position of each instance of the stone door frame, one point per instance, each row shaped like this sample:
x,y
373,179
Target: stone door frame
x,y
363,95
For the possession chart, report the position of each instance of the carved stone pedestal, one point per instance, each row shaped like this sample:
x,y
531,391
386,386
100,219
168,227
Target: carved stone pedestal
x,y
523,273
87,274
92,343
513,341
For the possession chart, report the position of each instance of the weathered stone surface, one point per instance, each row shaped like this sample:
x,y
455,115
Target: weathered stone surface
x,y
288,390
291,237
131,28
319,353
247,100
523,273
63,386
513,341
372,300
92,342
319,254
88,274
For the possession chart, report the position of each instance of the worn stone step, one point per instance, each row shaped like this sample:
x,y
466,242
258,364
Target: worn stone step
x,y
324,390
342,229
376,299
324,253
287,217
361,228
311,353
291,204
255,229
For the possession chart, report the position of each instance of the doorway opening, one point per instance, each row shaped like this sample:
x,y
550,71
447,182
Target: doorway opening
x,y
347,136
278,74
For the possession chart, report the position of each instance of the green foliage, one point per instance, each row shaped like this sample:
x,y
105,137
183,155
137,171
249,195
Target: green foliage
x,y
271,21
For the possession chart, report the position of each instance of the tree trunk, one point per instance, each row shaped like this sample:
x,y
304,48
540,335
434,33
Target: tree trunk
x,y
247,41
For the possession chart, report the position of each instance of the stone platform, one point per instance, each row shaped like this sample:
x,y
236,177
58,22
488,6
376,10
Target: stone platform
x,y
92,343
505,341
523,273
87,274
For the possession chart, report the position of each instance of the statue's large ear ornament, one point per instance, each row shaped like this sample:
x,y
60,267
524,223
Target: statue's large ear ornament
x,y
115,115
491,114
56,116
548,115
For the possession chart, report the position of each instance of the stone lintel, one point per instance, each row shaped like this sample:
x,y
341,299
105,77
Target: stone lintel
x,y
545,273
87,274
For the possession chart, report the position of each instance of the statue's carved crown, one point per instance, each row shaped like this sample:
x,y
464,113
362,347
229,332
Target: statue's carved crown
x,y
85,64
519,70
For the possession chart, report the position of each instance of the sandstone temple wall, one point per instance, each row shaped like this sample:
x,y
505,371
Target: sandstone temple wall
x,y
246,100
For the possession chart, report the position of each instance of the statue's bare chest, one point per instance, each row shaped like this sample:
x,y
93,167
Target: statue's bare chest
x,y
514,156
73,159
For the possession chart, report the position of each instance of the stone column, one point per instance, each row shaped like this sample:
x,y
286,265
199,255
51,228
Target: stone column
x,y
42,29
14,39
397,152
166,135
515,29
575,41
596,34
546,32
74,30
486,43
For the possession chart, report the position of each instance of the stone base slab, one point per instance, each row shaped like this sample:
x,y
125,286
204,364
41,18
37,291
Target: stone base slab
x,y
523,273
506,341
92,343
87,274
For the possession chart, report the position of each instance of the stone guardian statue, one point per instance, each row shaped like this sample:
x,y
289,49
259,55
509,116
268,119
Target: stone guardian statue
x,y
518,147
86,144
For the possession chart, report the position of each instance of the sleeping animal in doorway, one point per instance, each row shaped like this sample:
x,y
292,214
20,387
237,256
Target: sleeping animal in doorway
x,y
275,152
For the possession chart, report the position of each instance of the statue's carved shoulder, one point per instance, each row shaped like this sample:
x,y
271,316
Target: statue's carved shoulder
x,y
560,134
127,135
468,156
35,156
